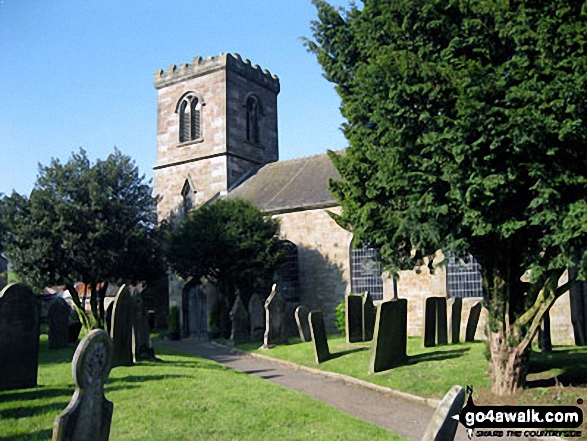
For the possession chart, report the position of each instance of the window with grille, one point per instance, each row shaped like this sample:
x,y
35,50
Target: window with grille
x,y
366,270
189,109
463,275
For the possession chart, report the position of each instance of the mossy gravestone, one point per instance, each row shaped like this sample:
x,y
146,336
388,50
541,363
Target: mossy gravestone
x,y
354,318
121,328
240,331
318,332
257,317
274,319
456,308
442,425
89,413
391,336
59,312
302,320
473,321
19,337
369,313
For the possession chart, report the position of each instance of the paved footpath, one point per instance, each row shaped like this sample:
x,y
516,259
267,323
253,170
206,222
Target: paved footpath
x,y
405,415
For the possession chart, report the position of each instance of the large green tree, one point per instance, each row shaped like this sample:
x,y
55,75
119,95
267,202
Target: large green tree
x,y
467,131
230,243
84,222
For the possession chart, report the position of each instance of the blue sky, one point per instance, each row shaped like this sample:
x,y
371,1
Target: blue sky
x,y
80,74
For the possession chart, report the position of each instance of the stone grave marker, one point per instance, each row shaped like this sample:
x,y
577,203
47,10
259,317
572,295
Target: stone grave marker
x,y
391,336
456,308
302,319
441,322
318,332
429,328
108,317
442,427
369,313
89,413
354,318
121,328
19,337
59,313
257,317
473,321
544,337
240,332
75,327
274,319
141,336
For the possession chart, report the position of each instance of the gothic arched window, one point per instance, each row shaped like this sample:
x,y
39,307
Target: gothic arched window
x,y
253,112
188,109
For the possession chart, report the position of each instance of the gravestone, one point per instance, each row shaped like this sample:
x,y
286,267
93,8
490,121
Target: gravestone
x,y
89,413
578,300
442,425
75,328
391,336
369,314
141,337
456,309
354,318
59,313
108,317
274,319
441,325
121,328
257,317
544,337
318,332
240,332
473,321
429,328
19,337
302,319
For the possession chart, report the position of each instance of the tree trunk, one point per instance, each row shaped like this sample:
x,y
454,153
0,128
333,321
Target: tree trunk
x,y
509,364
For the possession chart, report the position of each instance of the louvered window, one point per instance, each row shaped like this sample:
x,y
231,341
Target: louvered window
x,y
189,109
253,119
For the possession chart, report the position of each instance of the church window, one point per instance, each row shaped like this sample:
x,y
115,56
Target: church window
x,y
188,194
253,113
366,270
463,275
189,109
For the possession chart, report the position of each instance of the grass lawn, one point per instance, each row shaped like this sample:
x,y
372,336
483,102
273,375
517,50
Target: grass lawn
x,y
183,398
559,377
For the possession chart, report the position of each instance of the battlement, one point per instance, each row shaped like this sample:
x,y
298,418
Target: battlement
x,y
202,66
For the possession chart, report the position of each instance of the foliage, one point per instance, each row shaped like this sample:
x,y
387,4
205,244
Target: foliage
x,y
467,131
84,222
229,242
340,316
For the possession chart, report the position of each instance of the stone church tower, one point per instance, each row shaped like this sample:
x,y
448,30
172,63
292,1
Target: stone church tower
x,y
216,123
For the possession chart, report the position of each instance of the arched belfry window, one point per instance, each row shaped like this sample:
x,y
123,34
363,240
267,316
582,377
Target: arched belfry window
x,y
189,110
254,113
366,270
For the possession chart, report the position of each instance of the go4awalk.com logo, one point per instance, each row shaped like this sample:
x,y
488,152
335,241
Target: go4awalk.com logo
x,y
518,421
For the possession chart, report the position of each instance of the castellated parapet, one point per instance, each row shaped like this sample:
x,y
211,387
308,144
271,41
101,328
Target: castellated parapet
x,y
204,66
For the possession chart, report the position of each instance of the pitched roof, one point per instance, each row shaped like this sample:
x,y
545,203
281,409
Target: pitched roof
x,y
292,185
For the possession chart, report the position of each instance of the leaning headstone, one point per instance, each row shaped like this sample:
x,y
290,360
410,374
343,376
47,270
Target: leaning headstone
x,y
108,317
354,318
89,413
318,332
442,425
59,313
369,313
274,319
257,317
473,321
441,325
456,309
302,319
121,328
141,337
429,328
240,332
391,336
19,337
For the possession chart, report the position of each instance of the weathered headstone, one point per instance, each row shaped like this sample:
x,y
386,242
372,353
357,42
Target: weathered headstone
x,y
456,308
274,319
429,328
89,413
19,337
59,313
302,319
141,337
108,317
473,321
75,328
257,317
442,425
240,332
441,325
544,337
369,314
121,328
578,299
391,336
318,332
354,318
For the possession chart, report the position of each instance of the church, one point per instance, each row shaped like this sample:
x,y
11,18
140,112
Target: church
x,y
217,138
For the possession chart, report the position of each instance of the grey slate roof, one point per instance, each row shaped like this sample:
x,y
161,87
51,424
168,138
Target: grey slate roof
x,y
292,185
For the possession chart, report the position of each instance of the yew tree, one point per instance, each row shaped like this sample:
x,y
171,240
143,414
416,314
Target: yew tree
x,y
466,123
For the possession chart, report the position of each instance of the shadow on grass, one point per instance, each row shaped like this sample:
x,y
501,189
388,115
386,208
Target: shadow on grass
x,y
436,356
34,394
30,411
192,364
35,436
566,367
343,353
142,379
